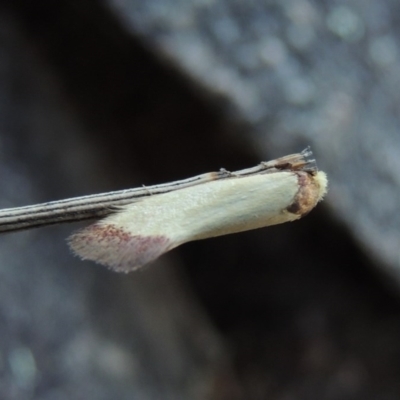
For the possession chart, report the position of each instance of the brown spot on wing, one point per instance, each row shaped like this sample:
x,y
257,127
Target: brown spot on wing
x,y
307,196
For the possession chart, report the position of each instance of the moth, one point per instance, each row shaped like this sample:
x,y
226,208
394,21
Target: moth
x,y
142,224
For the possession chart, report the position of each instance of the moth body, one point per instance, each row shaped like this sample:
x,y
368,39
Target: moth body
x,y
140,232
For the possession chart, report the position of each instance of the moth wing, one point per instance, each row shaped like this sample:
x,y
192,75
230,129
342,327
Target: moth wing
x,y
116,248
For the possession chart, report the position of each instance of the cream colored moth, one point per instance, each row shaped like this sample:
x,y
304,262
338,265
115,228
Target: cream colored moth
x,y
141,224
138,233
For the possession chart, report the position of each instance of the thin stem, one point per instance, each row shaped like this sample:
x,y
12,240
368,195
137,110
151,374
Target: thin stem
x,y
100,205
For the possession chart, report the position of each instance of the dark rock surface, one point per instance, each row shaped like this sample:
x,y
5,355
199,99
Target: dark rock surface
x,y
302,72
97,96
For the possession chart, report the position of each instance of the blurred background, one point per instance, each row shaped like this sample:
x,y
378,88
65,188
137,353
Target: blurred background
x,y
105,95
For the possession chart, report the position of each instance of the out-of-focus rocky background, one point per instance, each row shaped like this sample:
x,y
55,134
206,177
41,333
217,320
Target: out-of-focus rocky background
x,y
103,95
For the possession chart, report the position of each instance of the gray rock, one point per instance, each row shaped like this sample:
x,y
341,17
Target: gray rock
x,y
301,72
69,330
100,96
